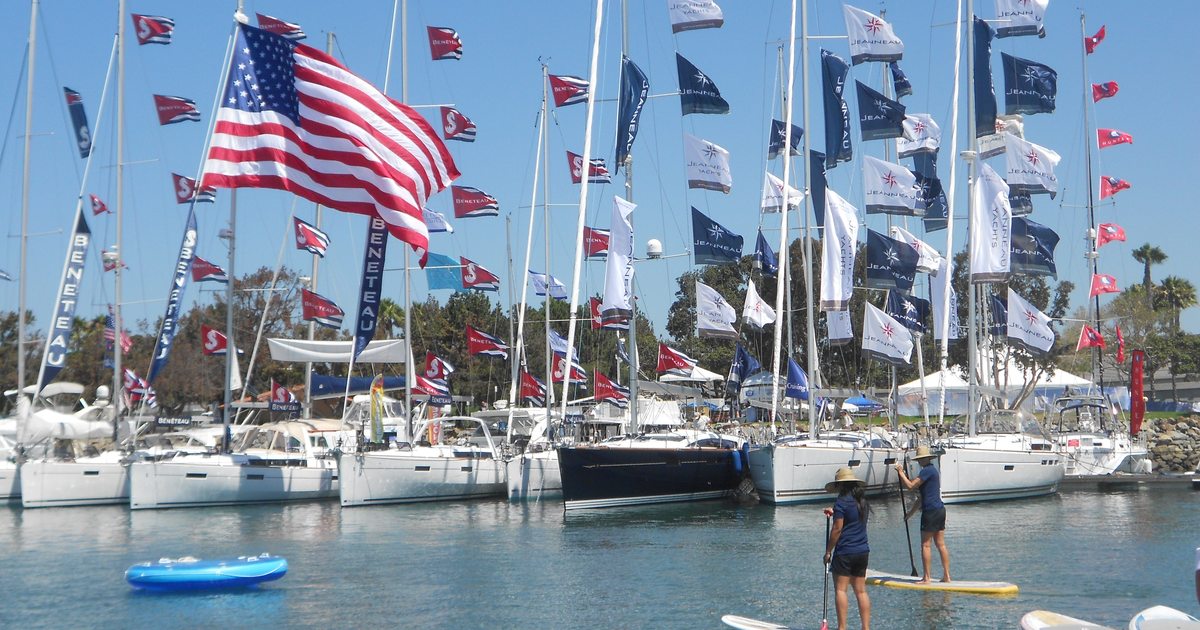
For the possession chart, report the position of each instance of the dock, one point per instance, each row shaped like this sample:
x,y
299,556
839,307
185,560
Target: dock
x,y
1123,481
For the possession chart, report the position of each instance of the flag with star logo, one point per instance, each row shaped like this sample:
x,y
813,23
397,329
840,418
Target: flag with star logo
x,y
1029,87
879,117
756,310
870,38
909,310
1032,250
891,264
1028,327
1030,168
776,139
697,93
706,165
713,243
890,189
885,339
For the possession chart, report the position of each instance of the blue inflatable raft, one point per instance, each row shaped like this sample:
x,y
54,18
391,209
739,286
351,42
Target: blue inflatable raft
x,y
185,574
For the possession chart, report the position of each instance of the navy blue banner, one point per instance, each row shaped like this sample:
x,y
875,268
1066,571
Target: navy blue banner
x,y
1029,87
775,142
58,338
1021,202
1032,249
697,93
879,117
999,325
937,211
170,321
817,185
744,365
797,381
83,135
837,113
925,163
891,264
371,287
985,94
765,256
634,90
899,80
713,243
911,311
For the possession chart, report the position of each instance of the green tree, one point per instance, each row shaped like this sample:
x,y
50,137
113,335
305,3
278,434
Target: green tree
x,y
8,350
1148,255
1176,295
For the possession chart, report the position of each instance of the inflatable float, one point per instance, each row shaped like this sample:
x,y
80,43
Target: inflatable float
x,y
188,573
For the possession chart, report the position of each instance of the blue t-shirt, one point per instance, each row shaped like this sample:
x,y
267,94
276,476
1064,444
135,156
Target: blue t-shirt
x,y
854,531
931,488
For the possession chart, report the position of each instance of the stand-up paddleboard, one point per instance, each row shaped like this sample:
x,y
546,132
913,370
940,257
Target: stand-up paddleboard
x,y
185,574
746,623
1047,620
1163,618
895,580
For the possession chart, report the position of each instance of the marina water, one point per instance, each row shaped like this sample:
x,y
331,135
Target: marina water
x,y
1093,554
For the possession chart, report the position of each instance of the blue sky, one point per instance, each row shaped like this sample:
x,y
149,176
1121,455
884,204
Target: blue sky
x,y
497,85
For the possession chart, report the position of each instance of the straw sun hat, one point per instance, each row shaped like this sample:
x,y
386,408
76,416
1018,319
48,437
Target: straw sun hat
x,y
843,474
923,452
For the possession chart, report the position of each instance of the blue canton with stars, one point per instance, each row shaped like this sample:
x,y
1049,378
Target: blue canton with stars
x,y
262,76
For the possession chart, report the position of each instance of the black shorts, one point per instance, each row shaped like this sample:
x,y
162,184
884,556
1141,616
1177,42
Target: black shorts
x,y
933,520
853,565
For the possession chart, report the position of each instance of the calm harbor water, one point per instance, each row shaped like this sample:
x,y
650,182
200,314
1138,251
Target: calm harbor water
x,y
1097,555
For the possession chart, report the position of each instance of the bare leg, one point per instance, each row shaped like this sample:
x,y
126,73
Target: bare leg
x,y
842,603
864,601
940,539
926,555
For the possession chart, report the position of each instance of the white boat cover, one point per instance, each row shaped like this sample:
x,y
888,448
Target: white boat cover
x,y
303,351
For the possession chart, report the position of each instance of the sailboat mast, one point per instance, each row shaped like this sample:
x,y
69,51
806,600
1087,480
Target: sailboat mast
x,y
949,269
230,345
971,157
787,155
118,327
33,11
634,361
549,373
814,361
1092,253
316,260
408,357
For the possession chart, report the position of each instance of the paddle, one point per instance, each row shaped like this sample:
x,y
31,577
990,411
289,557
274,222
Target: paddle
x,y
825,595
904,515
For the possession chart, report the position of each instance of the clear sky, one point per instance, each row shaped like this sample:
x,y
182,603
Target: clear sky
x,y
497,84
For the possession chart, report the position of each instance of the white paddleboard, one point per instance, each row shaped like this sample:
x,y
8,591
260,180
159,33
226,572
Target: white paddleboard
x,y
895,580
1048,620
746,623
1163,618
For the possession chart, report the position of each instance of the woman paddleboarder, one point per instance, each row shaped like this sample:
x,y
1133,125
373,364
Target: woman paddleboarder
x,y
846,548
933,511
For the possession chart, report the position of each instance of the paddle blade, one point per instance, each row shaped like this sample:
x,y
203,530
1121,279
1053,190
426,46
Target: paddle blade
x,y
824,624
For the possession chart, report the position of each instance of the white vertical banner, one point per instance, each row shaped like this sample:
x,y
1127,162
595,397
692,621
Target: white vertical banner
x,y
837,253
938,286
991,227
617,305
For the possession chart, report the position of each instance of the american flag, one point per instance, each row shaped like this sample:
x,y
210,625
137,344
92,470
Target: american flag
x,y
110,332
293,118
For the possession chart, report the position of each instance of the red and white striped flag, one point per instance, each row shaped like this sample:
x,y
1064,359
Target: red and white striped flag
x,y
152,29
568,90
444,43
293,118
281,28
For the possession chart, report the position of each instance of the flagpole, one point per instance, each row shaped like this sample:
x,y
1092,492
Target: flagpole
x,y
634,359
971,157
1093,254
21,284
949,270
549,297
814,361
787,156
316,261
408,358
118,327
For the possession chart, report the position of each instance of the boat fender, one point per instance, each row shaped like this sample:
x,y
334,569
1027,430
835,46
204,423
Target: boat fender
x,y
746,454
737,461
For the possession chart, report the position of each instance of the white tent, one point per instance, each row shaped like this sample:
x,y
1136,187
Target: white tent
x,y
1050,385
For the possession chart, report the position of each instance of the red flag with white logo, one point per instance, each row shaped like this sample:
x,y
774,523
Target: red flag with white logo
x,y
1109,232
152,29
213,341
455,126
1137,398
595,242
1105,90
444,43
1102,283
1089,338
1110,186
436,367
1090,43
674,361
475,276
1112,137
185,189
568,90
1120,346
98,207
472,202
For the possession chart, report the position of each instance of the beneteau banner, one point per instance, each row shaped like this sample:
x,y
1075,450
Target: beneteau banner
x,y
58,338
371,287
618,272
170,321
991,228
837,255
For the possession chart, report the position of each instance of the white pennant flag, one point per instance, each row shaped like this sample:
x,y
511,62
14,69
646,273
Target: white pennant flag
x,y
1030,167
837,254
921,135
617,305
772,195
689,15
558,290
1021,17
436,222
756,311
871,39
937,296
714,315
991,227
890,189
884,338
706,164
993,144
1027,326
840,327
930,259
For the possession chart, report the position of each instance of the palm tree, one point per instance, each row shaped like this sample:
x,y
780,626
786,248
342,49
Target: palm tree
x,y
1148,255
1176,294
391,316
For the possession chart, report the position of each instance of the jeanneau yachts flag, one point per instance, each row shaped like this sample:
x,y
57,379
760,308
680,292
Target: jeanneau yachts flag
x,y
1089,338
671,361
370,291
706,165
533,390
319,309
1112,137
697,93
456,126
993,143
595,242
436,222
326,135
837,113
634,91
444,43
938,286
441,272
837,254
597,171
756,311
1020,201
481,343
744,365
871,39
1027,326
152,29
1029,87
797,381
617,306
1110,186
776,140
885,339
714,315
900,83
891,264
817,185
879,117
909,310
608,391
772,195
558,290
472,202
765,257
83,134
170,319
1020,17
1109,232
1104,90
568,90
1030,167
58,338
175,109
991,228
937,210
921,135
890,189
713,243
281,28
309,238
1033,248
475,276
929,260
985,93
925,163
689,15
999,308
840,327
204,271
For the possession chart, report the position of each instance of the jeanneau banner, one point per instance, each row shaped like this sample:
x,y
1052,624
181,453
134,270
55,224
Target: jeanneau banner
x,y
837,113
1029,87
1033,248
985,93
870,38
884,338
938,286
58,338
697,93
891,264
890,189
1030,167
991,228
837,254
634,90
879,117
170,320
756,310
775,142
689,15
921,135
1021,17
617,305
1027,326
929,260
840,327
772,195
714,315
706,165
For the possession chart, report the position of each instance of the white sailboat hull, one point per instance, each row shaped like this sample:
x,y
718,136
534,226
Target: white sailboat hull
x,y
1090,453
983,474
208,480
534,476
103,480
433,473
10,482
786,474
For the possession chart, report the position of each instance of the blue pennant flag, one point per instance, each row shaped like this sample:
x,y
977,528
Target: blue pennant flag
x,y
765,257
713,243
83,135
817,185
797,381
891,264
744,365
879,117
985,94
634,90
1029,87
697,93
443,272
999,326
775,142
58,338
899,80
170,320
937,211
837,114
911,311
1032,248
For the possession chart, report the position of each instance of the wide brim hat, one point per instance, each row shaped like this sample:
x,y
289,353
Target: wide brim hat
x,y
923,452
842,475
